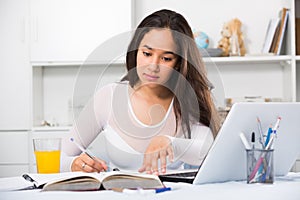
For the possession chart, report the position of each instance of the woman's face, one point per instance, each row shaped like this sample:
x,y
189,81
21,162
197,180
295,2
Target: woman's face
x,y
156,57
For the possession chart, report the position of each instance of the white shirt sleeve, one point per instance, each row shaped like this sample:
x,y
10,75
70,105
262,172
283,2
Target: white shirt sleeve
x,y
65,162
193,151
86,128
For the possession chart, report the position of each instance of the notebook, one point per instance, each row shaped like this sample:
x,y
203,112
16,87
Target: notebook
x,y
226,159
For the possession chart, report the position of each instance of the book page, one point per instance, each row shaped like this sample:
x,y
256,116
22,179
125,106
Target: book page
x,y
79,183
14,183
131,180
41,179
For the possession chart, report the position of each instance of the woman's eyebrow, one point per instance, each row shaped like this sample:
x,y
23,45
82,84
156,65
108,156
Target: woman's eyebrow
x,y
165,52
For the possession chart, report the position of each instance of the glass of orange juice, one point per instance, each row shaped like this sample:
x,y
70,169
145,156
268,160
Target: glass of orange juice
x,y
47,154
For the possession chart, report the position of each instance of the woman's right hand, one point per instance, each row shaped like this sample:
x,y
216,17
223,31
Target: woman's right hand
x,y
87,164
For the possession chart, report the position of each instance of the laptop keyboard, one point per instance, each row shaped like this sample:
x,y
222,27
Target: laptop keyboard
x,y
183,175
187,177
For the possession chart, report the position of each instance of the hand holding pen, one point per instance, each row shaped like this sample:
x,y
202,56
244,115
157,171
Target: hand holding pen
x,y
86,162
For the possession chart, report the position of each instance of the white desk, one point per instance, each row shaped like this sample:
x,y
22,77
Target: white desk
x,y
281,189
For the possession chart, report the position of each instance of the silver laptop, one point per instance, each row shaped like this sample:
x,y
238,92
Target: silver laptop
x,y
226,159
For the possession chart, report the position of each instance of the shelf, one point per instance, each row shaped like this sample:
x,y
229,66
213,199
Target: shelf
x,y
77,63
54,64
248,59
51,128
244,59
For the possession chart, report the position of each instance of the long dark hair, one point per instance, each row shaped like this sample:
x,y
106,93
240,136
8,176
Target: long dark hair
x,y
189,65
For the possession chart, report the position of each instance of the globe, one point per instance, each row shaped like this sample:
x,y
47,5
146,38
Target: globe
x,y
201,39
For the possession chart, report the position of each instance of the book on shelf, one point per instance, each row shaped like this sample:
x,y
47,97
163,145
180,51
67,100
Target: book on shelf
x,y
270,34
81,181
277,42
298,36
275,38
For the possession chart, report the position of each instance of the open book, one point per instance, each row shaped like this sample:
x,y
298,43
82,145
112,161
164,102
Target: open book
x,y
80,181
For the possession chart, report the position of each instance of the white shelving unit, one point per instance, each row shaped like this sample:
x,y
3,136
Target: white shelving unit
x,y
250,59
234,77
44,42
15,101
297,57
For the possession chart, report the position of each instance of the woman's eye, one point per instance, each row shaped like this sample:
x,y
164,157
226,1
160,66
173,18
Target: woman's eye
x,y
166,59
146,54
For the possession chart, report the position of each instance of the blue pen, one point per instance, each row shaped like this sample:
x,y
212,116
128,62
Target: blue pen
x,y
272,130
268,136
142,191
159,190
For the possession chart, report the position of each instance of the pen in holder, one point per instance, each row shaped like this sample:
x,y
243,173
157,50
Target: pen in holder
x,y
260,167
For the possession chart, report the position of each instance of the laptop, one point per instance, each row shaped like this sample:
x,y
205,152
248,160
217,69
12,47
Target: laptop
x,y
226,159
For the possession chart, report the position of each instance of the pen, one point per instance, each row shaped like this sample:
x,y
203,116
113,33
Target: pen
x,y
266,175
272,137
84,151
159,190
28,178
253,140
244,140
81,148
268,146
268,135
277,124
261,137
270,131
142,191
256,168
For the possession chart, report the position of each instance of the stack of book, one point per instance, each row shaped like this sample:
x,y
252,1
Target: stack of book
x,y
275,33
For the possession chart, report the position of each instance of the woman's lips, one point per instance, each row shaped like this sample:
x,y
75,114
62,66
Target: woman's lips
x,y
151,77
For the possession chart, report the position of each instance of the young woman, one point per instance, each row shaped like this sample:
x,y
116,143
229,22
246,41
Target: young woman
x,y
160,115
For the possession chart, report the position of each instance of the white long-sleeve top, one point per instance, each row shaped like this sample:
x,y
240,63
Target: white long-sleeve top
x,y
109,114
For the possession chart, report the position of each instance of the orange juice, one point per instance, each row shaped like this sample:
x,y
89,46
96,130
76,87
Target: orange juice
x,y
47,161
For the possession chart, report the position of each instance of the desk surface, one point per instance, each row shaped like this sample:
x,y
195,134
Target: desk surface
x,y
283,188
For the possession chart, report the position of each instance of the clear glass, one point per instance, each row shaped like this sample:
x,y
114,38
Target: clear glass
x,y
47,154
260,167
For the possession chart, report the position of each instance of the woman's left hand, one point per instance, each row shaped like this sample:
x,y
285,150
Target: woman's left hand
x,y
159,148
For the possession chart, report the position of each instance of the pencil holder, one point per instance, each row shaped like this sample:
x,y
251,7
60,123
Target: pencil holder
x,y
260,167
